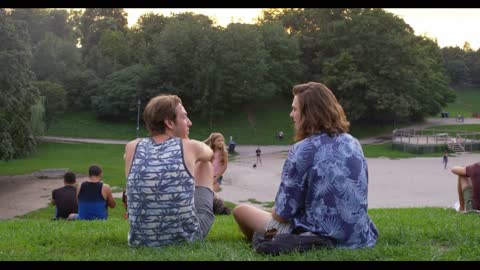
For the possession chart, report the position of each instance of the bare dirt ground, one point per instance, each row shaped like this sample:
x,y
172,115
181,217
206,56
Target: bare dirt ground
x,y
412,182
22,194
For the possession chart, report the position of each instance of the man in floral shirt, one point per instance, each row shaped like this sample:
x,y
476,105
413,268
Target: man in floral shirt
x,y
324,187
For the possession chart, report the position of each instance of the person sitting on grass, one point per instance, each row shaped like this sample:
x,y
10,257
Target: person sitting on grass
x,y
468,187
169,179
65,198
216,142
322,199
94,197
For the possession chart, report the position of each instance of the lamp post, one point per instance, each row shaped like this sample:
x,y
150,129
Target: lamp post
x,y
138,117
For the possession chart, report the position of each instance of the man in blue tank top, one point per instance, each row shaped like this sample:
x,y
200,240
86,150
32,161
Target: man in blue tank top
x,y
93,197
169,186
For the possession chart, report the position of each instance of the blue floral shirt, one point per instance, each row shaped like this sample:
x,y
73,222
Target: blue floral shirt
x,y
324,190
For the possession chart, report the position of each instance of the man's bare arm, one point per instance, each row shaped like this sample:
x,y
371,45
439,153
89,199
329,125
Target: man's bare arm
x,y
203,152
107,194
129,151
459,170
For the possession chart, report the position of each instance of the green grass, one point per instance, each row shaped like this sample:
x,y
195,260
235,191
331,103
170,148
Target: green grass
x,y
86,125
412,234
269,118
457,128
75,156
466,103
385,150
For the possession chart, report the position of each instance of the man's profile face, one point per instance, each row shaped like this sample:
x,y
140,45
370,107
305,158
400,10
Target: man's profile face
x,y
295,113
182,123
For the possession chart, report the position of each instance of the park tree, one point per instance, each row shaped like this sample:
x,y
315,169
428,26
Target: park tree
x,y
81,85
283,59
380,70
307,25
116,96
142,35
432,87
93,23
18,94
454,62
472,60
243,64
54,57
371,59
54,98
186,49
36,22
114,50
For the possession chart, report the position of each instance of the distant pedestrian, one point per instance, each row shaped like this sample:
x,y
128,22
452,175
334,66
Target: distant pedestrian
x,y
445,159
231,145
280,135
259,158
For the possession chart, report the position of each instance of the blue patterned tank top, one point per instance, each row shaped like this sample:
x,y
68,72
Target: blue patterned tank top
x,y
160,193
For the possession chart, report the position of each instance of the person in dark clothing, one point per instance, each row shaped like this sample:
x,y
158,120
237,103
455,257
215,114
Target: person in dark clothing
x,y
94,197
445,159
65,198
258,152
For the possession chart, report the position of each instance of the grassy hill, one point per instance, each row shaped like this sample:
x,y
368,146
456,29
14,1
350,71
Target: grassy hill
x,y
466,103
265,121
413,234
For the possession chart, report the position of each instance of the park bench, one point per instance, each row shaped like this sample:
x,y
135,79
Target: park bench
x,y
50,173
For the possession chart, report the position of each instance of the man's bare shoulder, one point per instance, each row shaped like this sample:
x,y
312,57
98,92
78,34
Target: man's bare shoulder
x,y
191,142
132,144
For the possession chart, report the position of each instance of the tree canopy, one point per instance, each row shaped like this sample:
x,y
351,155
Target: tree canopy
x,y
91,60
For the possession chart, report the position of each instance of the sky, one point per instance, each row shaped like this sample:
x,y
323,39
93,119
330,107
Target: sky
x,y
450,26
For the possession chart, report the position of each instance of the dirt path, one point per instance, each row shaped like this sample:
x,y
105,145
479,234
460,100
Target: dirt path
x,y
22,194
413,182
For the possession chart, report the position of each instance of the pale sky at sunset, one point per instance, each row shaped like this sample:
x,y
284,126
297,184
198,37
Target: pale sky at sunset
x,y
451,27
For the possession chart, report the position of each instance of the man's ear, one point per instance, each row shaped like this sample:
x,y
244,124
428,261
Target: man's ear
x,y
169,123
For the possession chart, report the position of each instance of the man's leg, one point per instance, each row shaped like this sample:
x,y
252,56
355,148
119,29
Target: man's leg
x,y
463,183
250,219
204,196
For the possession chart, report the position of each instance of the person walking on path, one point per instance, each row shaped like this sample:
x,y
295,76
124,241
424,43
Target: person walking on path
x,y
445,159
258,152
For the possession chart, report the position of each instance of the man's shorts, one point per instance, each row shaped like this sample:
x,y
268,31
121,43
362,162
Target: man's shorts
x,y
204,209
280,227
468,199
